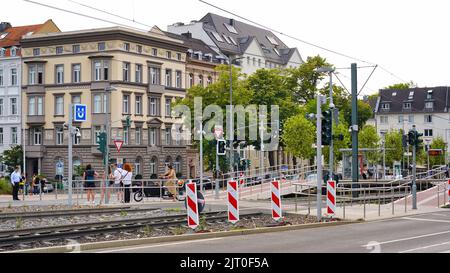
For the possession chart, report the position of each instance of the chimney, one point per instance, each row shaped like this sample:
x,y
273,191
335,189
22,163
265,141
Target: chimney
x,y
187,35
232,22
4,26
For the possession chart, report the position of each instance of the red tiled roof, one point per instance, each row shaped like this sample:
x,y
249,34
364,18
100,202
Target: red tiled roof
x,y
15,34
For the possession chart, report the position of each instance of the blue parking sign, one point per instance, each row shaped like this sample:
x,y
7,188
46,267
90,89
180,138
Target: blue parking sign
x,y
80,113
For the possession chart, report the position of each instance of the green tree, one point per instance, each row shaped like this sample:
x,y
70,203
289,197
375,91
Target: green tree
x,y
368,138
13,157
300,145
394,149
365,112
402,86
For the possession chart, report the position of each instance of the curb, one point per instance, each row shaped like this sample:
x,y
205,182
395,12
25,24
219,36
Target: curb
x,y
189,237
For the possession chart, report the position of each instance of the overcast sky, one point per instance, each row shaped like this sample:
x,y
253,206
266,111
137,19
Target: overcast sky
x,y
408,38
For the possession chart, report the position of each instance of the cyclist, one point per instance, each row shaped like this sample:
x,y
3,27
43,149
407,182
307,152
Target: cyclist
x,y
171,182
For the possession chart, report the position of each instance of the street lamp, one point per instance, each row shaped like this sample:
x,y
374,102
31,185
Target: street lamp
x,y
108,91
232,113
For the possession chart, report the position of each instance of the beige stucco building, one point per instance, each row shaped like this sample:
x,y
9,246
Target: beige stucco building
x,y
148,71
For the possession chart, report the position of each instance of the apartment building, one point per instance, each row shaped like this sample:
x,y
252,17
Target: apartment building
x,y
11,80
78,67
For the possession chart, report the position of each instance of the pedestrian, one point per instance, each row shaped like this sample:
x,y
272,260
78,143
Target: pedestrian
x,y
127,175
117,174
35,183
171,182
89,177
15,181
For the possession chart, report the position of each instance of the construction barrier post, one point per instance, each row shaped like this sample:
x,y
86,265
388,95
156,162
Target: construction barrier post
x,y
233,202
331,198
277,213
192,205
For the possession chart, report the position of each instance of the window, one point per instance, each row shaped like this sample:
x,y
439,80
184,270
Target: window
x,y
400,119
101,46
178,79
36,52
126,136
177,165
226,38
248,60
428,133
407,106
59,106
76,48
153,164
59,136
139,49
126,104
138,74
14,76
276,51
59,50
272,40
430,95
191,80
13,51
59,74
209,82
154,51
168,134
2,52
168,107
137,166
152,136
179,56
35,74
411,95
138,135
231,28
384,119
155,75
168,55
40,106
76,73
35,106
126,46
152,107
14,137
200,80
37,136
232,40
1,107
428,118
385,106
168,77
14,109
101,70
98,104
411,118
254,61
217,36
76,99
259,62
429,105
1,77
126,72
31,106
1,136
138,105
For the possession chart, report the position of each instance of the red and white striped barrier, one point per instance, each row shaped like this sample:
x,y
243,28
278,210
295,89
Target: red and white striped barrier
x,y
449,191
331,197
276,200
192,205
233,202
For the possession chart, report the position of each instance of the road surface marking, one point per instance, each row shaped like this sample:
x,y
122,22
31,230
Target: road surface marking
x,y
424,247
159,245
410,238
426,220
438,214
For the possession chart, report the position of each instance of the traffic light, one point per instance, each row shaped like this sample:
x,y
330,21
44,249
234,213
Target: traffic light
x,y
128,122
221,147
404,141
418,140
411,138
101,141
327,124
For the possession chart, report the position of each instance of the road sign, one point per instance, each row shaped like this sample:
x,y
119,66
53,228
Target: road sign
x,y
60,168
276,200
119,145
331,198
80,113
233,202
192,205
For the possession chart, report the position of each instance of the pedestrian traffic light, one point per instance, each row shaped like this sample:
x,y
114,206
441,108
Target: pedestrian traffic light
x,y
327,124
221,147
418,140
128,122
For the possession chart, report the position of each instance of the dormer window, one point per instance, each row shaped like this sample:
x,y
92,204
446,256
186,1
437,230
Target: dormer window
x,y
394,94
209,56
217,36
13,51
272,40
227,39
231,28
407,106
386,106
430,95
2,52
411,95
233,40
3,35
429,105
276,51
36,52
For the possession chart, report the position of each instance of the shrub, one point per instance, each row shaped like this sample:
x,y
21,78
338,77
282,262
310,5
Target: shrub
x,y
5,187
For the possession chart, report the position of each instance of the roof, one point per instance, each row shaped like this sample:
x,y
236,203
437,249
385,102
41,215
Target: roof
x,y
15,35
440,96
245,35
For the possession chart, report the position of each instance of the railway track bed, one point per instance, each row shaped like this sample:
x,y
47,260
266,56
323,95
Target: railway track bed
x,y
132,229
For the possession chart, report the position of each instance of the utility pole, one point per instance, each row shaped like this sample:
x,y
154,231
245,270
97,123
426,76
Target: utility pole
x,y
414,186
261,157
231,119
384,157
355,129
70,154
201,155
319,157
108,91
332,106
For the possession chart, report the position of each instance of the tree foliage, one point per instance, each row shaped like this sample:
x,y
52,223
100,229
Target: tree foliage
x,y
402,86
368,138
13,157
394,147
299,136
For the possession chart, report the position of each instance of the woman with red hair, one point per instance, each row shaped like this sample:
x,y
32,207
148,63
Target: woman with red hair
x,y
127,175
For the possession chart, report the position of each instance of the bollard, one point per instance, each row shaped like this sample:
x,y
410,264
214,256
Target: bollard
x,y
344,208
392,200
309,200
296,209
406,199
379,204
217,189
438,196
364,203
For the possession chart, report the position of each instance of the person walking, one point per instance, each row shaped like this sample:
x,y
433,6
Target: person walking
x,y
89,176
171,182
127,175
118,182
15,180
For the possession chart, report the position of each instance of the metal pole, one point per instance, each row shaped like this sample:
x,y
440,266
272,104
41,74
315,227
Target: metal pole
x,y
217,175
108,138
201,155
319,157
231,119
261,157
384,157
355,129
70,154
331,178
414,186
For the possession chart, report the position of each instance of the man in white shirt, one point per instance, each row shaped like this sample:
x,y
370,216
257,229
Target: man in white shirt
x,y
15,180
117,181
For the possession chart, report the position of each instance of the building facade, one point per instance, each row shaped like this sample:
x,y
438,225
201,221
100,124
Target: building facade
x,y
427,108
231,39
11,80
146,69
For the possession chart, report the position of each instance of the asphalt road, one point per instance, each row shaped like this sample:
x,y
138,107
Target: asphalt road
x,y
415,234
